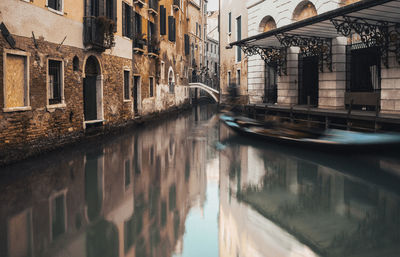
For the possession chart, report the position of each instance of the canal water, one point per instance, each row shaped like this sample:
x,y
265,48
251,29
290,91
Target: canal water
x,y
188,186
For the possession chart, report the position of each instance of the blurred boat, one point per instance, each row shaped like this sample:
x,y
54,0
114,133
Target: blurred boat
x,y
326,139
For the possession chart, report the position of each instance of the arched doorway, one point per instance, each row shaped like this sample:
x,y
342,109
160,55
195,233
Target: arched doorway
x,y
304,10
92,90
171,80
308,77
270,69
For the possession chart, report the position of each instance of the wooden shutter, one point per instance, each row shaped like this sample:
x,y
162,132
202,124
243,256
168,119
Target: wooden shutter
x,y
132,21
102,8
174,29
123,20
114,14
163,16
170,28
187,44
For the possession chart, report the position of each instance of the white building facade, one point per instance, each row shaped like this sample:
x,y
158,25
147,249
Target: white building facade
x,y
356,71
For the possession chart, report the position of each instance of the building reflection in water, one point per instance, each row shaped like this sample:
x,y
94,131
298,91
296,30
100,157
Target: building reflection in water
x,y
164,190
277,203
127,196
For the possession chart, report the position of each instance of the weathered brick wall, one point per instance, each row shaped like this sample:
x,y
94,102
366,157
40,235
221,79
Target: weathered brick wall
x,y
41,127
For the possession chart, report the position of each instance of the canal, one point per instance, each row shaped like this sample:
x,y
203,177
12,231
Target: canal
x,y
188,186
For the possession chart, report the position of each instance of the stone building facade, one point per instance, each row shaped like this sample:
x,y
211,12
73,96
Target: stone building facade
x,y
212,50
197,37
67,66
330,88
233,63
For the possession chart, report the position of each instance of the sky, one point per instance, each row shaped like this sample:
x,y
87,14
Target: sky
x,y
212,5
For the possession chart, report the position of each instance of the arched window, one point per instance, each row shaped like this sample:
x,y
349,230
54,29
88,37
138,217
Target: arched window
x,y
171,80
267,23
304,10
75,63
347,2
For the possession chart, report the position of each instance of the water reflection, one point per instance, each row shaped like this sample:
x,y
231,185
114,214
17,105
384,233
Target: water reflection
x,y
283,202
165,190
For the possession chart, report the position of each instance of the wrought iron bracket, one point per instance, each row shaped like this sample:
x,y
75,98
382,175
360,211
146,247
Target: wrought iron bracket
x,y
310,46
270,55
382,34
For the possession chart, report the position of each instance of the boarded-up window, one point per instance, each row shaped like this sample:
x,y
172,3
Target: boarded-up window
x,y
171,28
16,84
163,22
55,82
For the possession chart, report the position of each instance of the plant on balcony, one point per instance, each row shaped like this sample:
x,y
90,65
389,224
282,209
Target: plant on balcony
x,y
105,27
154,45
139,40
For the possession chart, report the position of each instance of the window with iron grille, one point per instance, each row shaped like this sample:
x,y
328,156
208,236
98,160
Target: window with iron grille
x,y
55,81
126,85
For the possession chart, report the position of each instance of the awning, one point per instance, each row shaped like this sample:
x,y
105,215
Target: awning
x,y
376,21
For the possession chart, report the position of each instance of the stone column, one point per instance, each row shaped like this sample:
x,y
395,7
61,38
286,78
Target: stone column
x,y
288,84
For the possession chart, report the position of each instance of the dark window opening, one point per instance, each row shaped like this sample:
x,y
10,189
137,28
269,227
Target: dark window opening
x,y
55,76
126,85
270,84
55,4
163,17
138,36
126,20
94,8
171,28
239,37
75,63
230,22
151,86
363,77
58,216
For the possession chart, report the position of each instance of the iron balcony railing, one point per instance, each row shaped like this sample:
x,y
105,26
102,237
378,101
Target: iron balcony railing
x,y
98,32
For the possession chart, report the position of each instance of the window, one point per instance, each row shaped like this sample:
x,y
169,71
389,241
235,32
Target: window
x,y
187,44
239,37
94,8
56,5
171,81
127,174
230,23
75,63
111,11
197,29
126,85
229,78
238,77
163,17
58,215
16,83
171,28
138,38
55,80
151,86
162,72
126,20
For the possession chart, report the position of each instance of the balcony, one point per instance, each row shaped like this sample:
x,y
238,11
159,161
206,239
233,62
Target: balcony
x,y
98,33
176,4
139,3
153,48
153,7
138,43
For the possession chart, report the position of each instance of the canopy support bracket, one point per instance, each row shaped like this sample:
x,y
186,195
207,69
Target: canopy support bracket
x,y
310,46
270,55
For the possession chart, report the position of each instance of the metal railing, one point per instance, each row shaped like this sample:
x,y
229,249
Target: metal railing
x,y
98,32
